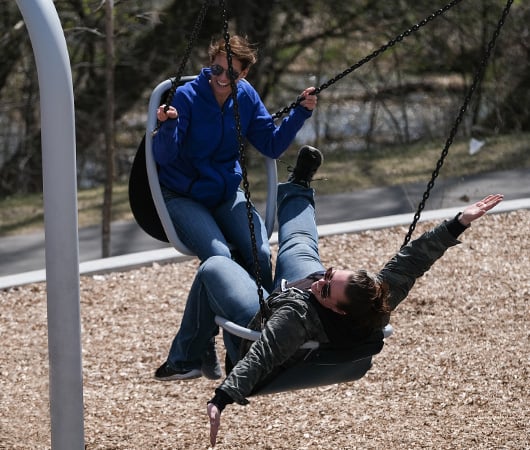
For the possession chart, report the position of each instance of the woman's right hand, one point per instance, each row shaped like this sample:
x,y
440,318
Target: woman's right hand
x,y
215,422
162,115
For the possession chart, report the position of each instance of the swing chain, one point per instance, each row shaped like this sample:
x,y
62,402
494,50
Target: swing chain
x,y
191,41
479,74
242,157
371,56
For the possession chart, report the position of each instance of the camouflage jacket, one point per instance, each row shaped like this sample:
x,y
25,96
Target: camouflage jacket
x,y
295,320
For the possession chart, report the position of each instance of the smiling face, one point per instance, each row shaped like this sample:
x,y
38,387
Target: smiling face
x,y
335,292
220,84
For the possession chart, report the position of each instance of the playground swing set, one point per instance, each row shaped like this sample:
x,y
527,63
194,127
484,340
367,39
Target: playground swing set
x,y
319,366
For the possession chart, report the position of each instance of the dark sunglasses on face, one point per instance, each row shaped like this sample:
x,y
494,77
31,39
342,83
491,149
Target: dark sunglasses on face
x,y
326,289
219,70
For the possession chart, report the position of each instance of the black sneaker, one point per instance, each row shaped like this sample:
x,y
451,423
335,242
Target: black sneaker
x,y
211,367
308,161
167,373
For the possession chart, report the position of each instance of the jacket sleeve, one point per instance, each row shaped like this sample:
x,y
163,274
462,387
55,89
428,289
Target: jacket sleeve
x,y
171,134
413,260
285,331
165,142
268,138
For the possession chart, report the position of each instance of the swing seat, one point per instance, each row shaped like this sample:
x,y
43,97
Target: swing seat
x,y
321,366
145,195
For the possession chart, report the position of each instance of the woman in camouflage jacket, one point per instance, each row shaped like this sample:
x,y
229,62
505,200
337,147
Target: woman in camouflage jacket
x,y
340,308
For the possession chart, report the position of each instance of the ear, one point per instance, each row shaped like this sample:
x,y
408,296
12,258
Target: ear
x,y
244,73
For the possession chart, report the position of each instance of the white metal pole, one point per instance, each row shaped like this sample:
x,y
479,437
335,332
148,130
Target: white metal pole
x,y
60,222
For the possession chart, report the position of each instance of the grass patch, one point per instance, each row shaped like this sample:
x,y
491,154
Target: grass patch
x,y
342,171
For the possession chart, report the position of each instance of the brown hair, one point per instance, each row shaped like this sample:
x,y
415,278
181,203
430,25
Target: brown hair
x,y
240,48
367,300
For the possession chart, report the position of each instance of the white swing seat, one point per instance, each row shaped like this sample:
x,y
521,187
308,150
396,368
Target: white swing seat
x,y
253,335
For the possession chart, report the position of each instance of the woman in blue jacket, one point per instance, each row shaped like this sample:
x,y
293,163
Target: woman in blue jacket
x,y
197,151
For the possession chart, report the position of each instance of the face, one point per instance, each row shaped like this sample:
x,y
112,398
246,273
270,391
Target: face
x,y
221,83
330,289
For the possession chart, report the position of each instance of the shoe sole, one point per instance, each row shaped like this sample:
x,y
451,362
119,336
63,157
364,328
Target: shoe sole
x,y
195,373
211,376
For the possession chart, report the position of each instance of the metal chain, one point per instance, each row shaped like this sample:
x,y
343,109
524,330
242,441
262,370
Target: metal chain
x,y
479,74
371,56
193,37
264,310
476,81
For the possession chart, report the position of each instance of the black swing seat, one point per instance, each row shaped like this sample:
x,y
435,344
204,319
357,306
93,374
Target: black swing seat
x,y
320,366
145,195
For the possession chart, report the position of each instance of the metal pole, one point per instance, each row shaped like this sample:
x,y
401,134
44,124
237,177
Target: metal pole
x,y
60,222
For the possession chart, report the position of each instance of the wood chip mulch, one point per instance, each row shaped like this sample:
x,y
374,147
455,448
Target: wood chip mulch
x,y
453,376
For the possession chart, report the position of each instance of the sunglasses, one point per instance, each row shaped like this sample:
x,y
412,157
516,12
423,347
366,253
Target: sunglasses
x,y
219,70
326,289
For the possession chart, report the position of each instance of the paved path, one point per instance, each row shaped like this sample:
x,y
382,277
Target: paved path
x,y
24,253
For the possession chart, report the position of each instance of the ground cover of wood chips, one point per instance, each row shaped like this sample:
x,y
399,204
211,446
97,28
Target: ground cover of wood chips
x,y
454,375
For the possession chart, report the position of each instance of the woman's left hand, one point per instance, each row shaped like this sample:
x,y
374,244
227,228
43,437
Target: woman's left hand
x,y
478,209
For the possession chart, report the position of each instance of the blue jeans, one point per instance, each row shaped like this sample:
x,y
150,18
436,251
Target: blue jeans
x,y
207,232
298,254
222,287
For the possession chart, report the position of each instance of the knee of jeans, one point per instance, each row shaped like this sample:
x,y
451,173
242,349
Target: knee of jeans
x,y
214,263
299,243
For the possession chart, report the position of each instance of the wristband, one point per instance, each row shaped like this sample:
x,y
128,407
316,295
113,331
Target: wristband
x,y
220,399
455,227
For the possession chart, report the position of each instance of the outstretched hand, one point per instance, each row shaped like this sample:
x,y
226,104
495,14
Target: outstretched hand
x,y
478,209
214,415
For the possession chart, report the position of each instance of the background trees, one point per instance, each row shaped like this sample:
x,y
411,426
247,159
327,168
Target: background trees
x,y
300,42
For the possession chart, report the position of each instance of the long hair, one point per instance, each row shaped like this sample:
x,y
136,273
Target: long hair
x,y
240,48
367,300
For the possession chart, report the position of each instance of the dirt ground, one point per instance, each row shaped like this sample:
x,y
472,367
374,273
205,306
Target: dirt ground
x,y
453,376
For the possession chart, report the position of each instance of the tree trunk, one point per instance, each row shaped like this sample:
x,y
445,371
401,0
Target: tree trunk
x,y
109,128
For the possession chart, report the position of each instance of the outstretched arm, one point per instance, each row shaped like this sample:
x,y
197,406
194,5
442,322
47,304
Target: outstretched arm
x,y
478,209
284,332
416,258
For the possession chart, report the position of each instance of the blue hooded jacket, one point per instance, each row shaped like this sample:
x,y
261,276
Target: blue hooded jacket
x,y
198,152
